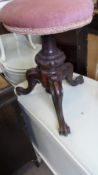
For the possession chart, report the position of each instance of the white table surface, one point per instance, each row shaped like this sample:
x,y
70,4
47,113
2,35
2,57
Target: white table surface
x,y
80,106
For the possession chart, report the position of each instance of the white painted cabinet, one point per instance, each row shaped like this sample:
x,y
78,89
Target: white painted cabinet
x,y
76,154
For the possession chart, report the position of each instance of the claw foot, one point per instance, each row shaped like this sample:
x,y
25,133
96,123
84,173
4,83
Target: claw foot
x,y
64,129
19,90
77,80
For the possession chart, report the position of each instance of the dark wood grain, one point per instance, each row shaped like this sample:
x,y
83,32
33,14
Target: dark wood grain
x,y
50,71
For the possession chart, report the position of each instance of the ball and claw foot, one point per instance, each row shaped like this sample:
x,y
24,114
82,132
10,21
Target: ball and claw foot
x,y
64,129
78,80
19,90
31,85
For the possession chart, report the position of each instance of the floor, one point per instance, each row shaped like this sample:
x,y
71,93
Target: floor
x,y
31,169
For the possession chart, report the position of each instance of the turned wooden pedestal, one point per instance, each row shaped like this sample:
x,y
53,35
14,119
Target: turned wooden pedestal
x,y
50,71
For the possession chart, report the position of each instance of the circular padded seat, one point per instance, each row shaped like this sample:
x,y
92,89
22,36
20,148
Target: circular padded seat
x,y
41,17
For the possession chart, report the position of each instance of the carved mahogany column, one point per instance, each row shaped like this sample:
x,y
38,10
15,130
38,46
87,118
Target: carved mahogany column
x,y
50,71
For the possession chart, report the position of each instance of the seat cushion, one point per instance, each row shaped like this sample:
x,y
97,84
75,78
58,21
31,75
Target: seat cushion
x,y
41,17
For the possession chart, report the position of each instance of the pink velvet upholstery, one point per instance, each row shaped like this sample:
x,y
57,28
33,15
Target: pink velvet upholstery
x,y
46,16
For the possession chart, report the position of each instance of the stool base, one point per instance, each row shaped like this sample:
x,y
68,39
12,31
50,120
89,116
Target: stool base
x,y
51,70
